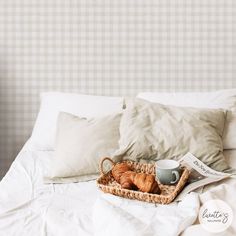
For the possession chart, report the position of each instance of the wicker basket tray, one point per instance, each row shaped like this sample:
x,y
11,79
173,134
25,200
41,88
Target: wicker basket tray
x,y
107,184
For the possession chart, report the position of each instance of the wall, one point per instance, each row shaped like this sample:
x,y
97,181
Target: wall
x,y
110,47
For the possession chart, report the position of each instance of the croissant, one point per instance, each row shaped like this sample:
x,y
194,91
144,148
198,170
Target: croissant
x,y
126,180
144,182
119,169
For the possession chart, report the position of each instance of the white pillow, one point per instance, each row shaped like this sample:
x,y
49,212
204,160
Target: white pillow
x,y
52,103
225,99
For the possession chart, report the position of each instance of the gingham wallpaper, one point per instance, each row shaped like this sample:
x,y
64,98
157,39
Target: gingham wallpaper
x,y
110,47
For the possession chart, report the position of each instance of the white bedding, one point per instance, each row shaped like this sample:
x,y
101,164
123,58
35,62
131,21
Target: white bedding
x,y
117,216
29,207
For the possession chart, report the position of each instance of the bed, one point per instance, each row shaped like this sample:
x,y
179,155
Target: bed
x,y
28,206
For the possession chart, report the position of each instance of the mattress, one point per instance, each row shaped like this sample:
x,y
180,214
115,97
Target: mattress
x,y
30,207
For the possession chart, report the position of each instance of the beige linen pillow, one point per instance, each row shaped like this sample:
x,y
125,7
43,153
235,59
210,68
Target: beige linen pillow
x,y
153,131
80,143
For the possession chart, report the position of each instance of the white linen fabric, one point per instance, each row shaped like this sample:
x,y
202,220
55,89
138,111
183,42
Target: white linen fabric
x,y
225,99
118,216
29,207
52,103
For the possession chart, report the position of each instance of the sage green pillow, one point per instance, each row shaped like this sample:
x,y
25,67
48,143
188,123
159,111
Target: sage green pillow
x,y
151,131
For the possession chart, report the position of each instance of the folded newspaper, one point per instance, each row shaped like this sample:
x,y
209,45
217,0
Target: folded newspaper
x,y
200,174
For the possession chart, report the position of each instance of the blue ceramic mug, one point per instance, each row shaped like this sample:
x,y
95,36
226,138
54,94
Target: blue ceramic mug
x,y
168,171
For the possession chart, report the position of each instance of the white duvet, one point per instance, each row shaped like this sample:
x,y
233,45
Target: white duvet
x,y
29,207
116,216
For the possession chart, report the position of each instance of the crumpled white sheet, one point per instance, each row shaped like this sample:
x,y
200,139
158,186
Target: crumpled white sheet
x,y
117,216
30,208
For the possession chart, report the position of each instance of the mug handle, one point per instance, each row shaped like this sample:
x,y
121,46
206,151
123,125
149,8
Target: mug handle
x,y
176,174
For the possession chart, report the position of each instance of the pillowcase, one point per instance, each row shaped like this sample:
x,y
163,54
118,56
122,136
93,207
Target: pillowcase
x,y
52,103
154,131
225,99
80,144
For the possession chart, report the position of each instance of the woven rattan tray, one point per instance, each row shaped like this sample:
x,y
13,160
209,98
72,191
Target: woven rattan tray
x,y
107,184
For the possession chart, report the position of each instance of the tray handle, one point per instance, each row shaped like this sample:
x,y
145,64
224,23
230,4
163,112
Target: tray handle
x,y
101,164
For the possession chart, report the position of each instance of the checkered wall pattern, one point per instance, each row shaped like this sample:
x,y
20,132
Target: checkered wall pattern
x,y
108,47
